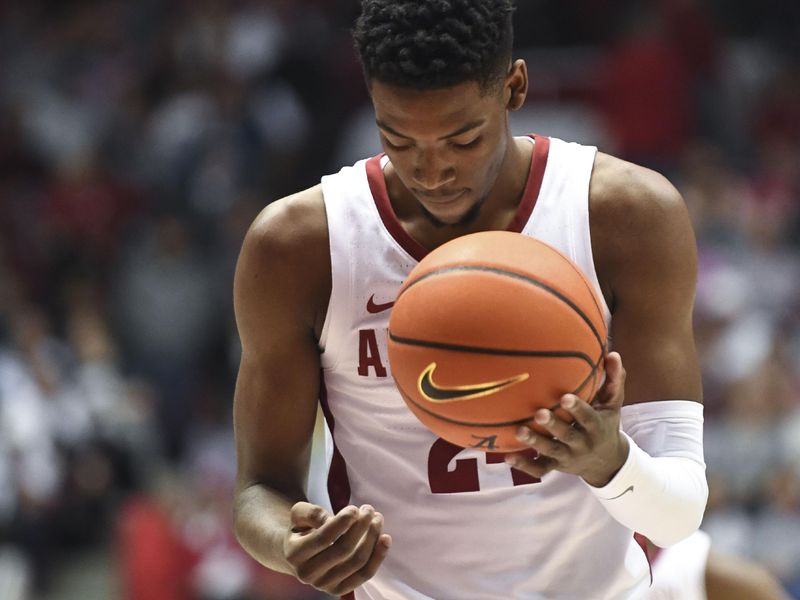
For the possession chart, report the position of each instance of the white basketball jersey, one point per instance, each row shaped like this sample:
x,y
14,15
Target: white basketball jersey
x,y
464,524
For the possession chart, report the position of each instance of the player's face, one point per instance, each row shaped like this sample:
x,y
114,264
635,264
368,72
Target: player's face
x,y
446,145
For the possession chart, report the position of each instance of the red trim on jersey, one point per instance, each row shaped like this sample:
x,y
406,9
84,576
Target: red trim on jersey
x,y
651,552
541,150
338,481
377,185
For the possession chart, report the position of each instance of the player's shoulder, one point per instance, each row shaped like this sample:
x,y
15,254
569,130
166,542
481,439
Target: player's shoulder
x,y
627,195
631,206
293,224
638,222
284,261
287,243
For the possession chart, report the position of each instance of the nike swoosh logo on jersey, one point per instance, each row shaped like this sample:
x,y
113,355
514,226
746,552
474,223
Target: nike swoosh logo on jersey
x,y
628,489
438,393
374,308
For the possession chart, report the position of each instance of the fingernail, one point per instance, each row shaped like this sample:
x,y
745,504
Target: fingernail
x,y
523,434
387,541
512,460
568,401
542,416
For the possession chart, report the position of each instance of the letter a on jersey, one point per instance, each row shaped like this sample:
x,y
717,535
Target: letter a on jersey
x,y
368,354
434,392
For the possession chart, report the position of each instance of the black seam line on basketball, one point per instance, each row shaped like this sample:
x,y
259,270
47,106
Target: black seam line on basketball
x,y
465,423
499,424
591,375
589,287
472,424
525,278
493,351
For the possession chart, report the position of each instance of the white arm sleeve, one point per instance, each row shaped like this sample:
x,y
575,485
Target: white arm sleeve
x,y
661,490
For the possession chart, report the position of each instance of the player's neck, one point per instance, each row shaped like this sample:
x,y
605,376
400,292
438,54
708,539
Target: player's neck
x,y
496,213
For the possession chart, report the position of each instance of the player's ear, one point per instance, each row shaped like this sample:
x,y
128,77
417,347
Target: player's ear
x,y
516,85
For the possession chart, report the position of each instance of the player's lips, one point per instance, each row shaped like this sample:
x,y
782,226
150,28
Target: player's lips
x,y
439,197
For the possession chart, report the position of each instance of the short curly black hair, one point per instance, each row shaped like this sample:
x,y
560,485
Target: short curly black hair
x,y
431,44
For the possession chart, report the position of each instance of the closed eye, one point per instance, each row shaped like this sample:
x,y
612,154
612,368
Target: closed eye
x,y
396,147
470,144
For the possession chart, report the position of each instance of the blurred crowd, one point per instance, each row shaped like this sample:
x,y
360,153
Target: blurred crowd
x,y
139,139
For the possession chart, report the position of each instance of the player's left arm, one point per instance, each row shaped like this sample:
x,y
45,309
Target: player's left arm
x,y
652,478
646,257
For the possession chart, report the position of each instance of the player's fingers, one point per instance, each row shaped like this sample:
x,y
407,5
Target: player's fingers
x,y
368,570
535,467
359,557
564,432
552,449
585,416
305,516
315,541
314,570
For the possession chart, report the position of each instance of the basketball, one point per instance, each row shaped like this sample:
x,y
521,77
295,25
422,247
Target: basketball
x,y
489,328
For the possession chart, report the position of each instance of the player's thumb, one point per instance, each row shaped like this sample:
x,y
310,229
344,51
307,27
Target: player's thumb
x,y
305,516
613,394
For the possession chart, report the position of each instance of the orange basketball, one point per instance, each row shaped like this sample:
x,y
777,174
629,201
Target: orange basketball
x,y
489,328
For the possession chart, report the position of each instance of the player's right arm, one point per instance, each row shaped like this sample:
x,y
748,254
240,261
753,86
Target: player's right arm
x,y
281,290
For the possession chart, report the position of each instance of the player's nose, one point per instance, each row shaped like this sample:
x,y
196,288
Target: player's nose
x,y
431,172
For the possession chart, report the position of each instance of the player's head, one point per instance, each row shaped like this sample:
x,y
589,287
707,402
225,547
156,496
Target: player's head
x,y
431,44
442,81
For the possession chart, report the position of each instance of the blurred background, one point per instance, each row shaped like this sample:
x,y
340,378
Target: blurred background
x,y
139,139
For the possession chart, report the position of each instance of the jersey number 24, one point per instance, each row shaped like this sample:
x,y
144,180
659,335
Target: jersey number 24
x,y
464,478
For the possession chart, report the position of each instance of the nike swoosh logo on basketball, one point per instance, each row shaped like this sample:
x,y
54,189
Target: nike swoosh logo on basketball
x,y
628,489
374,308
434,392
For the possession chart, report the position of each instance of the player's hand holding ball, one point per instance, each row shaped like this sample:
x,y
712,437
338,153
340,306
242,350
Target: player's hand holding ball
x,y
335,553
591,446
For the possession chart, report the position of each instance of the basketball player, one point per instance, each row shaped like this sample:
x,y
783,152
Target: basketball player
x,y
412,516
